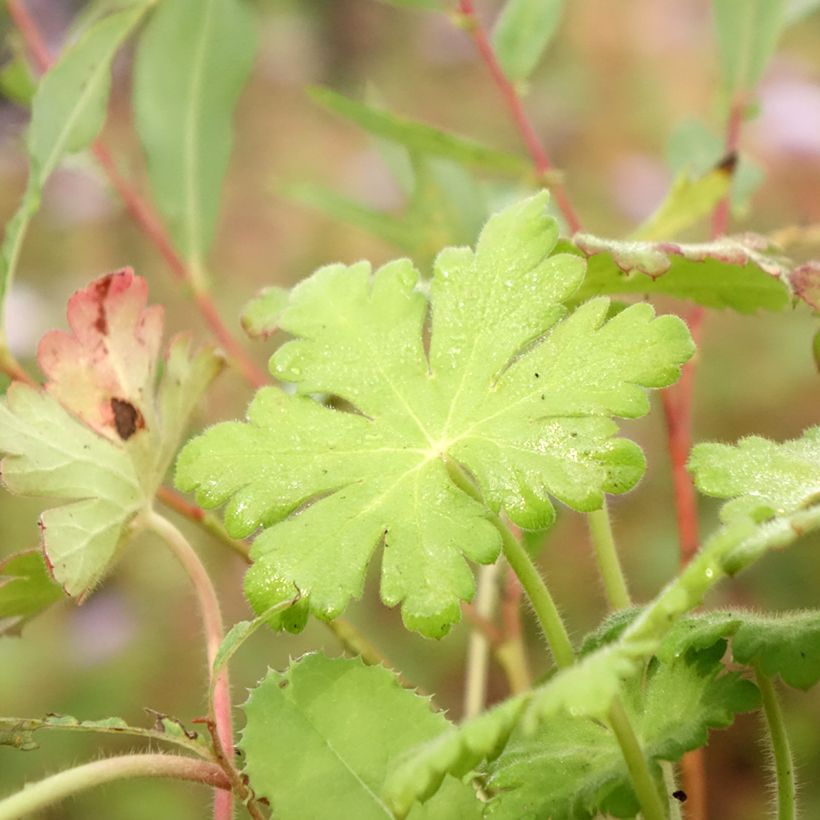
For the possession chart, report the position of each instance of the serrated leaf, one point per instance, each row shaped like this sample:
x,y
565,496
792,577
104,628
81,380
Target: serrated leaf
x,y
732,272
455,752
68,111
522,33
418,136
513,391
103,433
763,478
347,722
747,34
261,314
572,767
26,589
192,62
785,644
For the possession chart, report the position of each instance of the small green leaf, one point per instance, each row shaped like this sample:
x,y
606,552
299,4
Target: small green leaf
x,y
513,390
786,644
763,478
260,316
747,35
68,111
26,589
325,733
688,201
726,273
17,82
522,33
456,752
192,62
572,767
420,137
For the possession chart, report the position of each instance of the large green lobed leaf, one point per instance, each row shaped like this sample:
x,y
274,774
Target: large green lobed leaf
x,y
514,392
192,62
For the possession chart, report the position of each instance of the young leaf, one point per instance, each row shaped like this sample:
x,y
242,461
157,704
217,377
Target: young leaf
x,y
192,62
26,589
728,273
455,752
763,478
67,113
572,767
785,644
522,33
261,314
103,433
747,34
349,722
419,137
513,391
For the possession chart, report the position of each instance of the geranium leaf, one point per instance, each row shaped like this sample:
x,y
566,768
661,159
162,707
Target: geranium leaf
x,y
102,433
514,392
26,589
348,723
732,272
572,767
455,752
785,644
762,478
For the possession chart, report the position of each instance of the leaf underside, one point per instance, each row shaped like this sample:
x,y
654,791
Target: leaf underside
x,y
513,392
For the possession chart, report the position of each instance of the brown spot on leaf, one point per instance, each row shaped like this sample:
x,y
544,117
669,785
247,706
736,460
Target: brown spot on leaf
x,y
283,684
680,795
101,288
127,419
728,163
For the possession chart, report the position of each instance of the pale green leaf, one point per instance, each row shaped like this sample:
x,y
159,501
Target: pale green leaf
x,y
514,390
763,478
26,589
747,35
192,62
688,201
455,752
785,644
260,315
522,33
420,137
68,111
572,767
733,272
321,737
797,10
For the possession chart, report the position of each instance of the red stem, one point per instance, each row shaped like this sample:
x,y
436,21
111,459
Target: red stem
x,y
535,147
143,213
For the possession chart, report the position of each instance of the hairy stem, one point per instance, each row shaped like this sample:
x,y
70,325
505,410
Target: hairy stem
x,y
37,796
606,553
547,613
512,653
781,751
144,215
540,158
478,648
652,806
214,633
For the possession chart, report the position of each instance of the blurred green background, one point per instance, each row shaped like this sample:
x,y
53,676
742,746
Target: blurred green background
x,y
616,84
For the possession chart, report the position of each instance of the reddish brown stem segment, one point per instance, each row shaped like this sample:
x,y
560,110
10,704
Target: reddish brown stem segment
x,y
540,159
144,214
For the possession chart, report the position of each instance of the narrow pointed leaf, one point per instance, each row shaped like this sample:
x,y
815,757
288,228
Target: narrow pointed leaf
x,y
321,737
26,589
420,137
515,390
68,111
522,33
191,65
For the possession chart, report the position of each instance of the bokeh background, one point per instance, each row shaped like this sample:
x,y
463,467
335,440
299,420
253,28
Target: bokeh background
x,y
614,88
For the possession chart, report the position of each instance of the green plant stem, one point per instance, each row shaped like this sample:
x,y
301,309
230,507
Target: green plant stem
x,y
606,553
478,648
781,751
670,784
214,633
37,796
652,806
547,613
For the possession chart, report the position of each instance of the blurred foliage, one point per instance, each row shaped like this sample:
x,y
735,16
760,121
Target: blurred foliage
x,y
608,99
